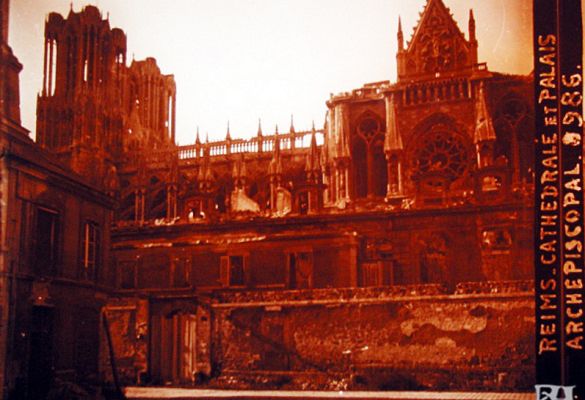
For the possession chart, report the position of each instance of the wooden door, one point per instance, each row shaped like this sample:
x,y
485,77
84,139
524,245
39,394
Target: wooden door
x,y
174,353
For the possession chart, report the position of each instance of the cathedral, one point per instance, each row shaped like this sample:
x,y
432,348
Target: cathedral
x,y
389,247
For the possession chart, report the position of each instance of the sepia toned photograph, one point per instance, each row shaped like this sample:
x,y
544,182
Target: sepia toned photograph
x,y
273,199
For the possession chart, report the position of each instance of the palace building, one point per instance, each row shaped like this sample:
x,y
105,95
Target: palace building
x,y
388,248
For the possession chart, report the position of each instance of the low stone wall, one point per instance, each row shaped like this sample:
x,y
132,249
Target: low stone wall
x,y
328,295
480,338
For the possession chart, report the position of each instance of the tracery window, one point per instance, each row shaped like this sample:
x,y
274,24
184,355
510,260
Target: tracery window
x,y
436,50
440,152
368,128
369,163
513,123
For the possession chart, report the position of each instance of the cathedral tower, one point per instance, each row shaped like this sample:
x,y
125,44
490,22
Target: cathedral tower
x,y
9,70
80,107
92,107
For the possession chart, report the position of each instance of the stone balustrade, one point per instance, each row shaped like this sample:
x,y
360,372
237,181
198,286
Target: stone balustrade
x,y
288,142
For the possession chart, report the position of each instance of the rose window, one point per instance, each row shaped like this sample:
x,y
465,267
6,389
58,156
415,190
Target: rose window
x,y
440,153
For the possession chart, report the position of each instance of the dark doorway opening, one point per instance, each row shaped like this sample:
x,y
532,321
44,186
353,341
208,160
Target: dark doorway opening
x,y
40,366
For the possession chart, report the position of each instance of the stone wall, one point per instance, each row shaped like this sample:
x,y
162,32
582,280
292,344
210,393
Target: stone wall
x,y
128,325
463,341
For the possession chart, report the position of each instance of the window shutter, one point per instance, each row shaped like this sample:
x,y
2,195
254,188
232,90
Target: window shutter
x,y
224,266
82,252
247,275
98,254
312,266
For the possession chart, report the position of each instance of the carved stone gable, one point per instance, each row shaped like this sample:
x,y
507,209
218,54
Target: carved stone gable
x,y
437,45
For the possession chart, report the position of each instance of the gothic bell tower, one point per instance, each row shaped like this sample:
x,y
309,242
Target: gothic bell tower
x,y
9,70
80,107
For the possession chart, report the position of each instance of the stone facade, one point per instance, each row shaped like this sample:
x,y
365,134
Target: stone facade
x,y
389,248
56,269
55,257
424,182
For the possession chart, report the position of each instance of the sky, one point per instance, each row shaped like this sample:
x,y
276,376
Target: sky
x,y
245,60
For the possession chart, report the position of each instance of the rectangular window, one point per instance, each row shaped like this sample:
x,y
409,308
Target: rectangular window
x,y
90,251
300,267
46,244
233,270
372,274
180,271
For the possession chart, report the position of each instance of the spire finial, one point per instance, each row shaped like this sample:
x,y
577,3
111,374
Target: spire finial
x,y
400,36
292,125
227,135
471,27
312,165
313,137
197,140
276,142
259,127
484,129
206,137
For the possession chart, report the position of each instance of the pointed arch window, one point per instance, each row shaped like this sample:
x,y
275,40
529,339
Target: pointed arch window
x,y
513,124
369,164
